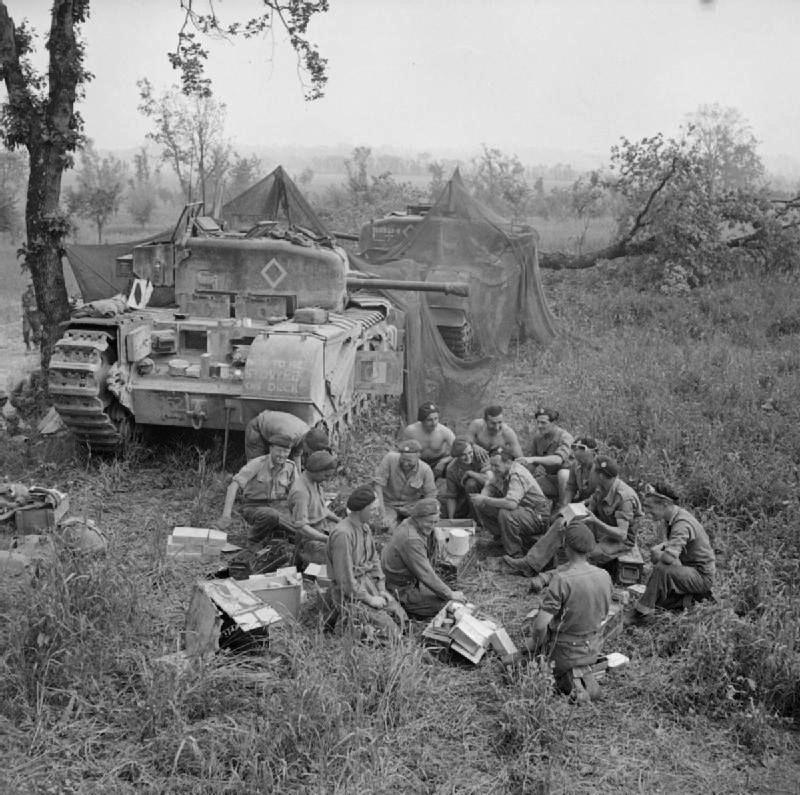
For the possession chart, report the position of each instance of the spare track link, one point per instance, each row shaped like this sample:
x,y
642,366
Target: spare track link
x,y
77,382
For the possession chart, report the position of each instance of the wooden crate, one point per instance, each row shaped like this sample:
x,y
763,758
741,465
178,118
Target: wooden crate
x,y
35,520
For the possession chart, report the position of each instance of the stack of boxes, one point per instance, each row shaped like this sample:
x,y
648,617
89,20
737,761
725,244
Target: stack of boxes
x,y
196,543
228,613
456,627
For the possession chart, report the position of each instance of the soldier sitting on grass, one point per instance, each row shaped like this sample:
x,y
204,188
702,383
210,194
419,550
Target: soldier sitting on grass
x,y
407,564
358,593
581,479
402,480
491,431
615,514
435,439
467,473
573,608
511,505
684,564
265,483
312,520
550,452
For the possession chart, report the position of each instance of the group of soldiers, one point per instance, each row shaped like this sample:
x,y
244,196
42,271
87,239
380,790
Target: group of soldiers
x,y
525,499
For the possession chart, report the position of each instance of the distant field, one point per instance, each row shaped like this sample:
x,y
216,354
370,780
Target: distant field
x,y
321,181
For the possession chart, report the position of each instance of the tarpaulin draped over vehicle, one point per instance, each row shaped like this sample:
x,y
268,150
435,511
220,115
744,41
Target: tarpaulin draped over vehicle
x,y
460,239
461,388
274,197
95,268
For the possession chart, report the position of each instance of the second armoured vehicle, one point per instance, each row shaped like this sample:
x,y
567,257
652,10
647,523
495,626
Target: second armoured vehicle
x,y
381,236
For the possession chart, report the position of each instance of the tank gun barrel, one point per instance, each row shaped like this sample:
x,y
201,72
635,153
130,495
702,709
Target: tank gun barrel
x,y
448,288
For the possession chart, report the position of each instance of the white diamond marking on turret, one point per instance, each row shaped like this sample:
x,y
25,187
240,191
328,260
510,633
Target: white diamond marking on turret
x,y
274,273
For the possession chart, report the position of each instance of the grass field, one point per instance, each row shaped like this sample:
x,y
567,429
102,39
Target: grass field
x,y
675,388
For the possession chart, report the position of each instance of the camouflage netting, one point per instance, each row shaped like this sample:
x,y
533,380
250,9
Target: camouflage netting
x,y
460,388
460,239
274,198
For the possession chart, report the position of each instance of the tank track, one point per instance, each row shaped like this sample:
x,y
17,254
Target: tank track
x,y
77,383
459,340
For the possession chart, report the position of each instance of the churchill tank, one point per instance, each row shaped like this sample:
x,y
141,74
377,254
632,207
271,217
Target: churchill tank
x,y
268,318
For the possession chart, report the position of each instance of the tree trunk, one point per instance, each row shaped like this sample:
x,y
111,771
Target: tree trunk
x,y
45,226
559,260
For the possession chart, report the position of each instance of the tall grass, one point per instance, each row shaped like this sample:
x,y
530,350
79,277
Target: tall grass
x,y
699,391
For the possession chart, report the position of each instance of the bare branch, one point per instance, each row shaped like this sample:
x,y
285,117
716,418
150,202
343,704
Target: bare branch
x,y
639,222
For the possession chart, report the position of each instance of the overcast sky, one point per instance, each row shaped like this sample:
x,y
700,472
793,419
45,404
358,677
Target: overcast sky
x,y
446,75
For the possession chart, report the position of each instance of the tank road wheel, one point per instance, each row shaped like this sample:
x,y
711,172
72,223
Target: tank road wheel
x,y
459,339
78,386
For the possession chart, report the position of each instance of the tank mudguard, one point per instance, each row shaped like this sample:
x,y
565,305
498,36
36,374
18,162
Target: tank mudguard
x,y
286,368
453,317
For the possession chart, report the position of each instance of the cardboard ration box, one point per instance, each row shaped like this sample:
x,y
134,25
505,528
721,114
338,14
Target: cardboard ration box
x,y
573,511
196,543
200,535
223,614
456,627
319,574
281,591
462,524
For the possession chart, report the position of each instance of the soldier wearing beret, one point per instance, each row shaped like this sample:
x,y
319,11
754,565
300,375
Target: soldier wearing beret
x,y
573,607
312,520
615,514
359,586
581,480
684,563
407,562
265,483
402,480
